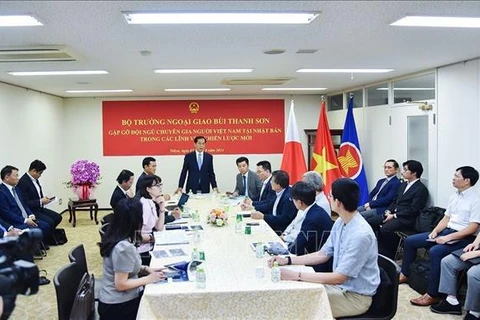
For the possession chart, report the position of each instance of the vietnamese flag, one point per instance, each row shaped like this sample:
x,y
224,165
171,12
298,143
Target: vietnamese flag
x,y
293,161
324,159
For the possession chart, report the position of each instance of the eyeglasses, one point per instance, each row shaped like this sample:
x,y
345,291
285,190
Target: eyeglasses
x,y
158,185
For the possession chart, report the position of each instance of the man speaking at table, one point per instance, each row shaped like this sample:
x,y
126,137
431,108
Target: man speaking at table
x,y
199,166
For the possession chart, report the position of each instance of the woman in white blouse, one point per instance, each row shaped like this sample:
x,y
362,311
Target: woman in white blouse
x,y
153,218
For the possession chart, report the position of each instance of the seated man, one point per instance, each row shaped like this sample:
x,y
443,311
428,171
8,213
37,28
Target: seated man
x,y
453,232
12,208
279,213
314,221
125,182
33,194
411,197
248,184
384,192
353,246
266,195
451,267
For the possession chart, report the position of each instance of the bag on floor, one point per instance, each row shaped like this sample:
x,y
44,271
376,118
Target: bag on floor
x,y
84,304
428,219
57,237
418,276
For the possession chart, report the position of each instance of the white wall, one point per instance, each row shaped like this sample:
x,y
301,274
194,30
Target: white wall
x,y
458,122
32,128
83,118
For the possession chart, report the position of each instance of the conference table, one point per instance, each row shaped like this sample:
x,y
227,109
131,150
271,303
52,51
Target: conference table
x,y
234,286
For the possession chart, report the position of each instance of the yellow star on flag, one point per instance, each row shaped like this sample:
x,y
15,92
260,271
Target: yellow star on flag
x,y
322,164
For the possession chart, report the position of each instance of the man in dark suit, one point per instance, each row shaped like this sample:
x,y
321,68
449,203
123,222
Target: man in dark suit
x,y
125,182
384,192
282,211
310,224
248,184
411,197
13,209
33,196
267,195
199,167
7,230
149,165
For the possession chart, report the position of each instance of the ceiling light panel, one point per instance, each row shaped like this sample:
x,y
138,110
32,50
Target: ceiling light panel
x,y
19,21
203,70
57,73
100,91
293,89
197,90
439,22
219,18
345,70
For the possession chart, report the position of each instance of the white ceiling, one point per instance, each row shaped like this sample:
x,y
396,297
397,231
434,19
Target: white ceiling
x,y
347,34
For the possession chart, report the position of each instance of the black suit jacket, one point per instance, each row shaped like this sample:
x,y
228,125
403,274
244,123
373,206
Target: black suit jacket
x,y
139,183
29,192
286,212
117,195
266,198
407,205
9,210
203,177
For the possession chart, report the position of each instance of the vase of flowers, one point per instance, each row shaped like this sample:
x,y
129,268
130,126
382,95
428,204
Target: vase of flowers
x,y
217,217
85,177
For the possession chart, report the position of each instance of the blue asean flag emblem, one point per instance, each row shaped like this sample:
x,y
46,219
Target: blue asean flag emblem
x,y
350,160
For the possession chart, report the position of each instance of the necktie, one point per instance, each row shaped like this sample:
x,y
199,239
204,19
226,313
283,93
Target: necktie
x,y
41,191
19,203
244,191
199,161
381,187
261,191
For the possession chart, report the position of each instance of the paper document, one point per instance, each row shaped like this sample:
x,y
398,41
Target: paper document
x,y
170,237
50,203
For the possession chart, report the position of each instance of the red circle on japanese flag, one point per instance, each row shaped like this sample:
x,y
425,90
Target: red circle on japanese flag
x,y
350,160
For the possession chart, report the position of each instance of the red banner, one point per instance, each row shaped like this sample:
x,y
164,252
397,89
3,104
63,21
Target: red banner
x,y
168,127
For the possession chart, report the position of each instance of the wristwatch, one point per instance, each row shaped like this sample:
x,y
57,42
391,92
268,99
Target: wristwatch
x,y
289,260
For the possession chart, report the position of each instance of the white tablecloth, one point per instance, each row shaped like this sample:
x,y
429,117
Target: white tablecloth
x,y
232,289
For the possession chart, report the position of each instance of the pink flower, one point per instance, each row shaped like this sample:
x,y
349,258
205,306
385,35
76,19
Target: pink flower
x,y
84,173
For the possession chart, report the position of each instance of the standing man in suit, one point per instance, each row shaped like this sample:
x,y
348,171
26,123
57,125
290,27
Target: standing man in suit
x,y
33,194
199,167
149,165
125,182
384,192
455,231
280,213
13,209
411,197
248,184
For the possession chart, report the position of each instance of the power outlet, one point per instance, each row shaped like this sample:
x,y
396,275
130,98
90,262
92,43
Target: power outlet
x,y
60,201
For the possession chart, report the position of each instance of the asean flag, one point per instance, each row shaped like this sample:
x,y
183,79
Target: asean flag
x,y
324,158
350,156
293,160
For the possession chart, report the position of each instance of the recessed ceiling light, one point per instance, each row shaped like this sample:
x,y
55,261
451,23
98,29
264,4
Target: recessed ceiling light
x,y
223,18
293,89
441,22
274,51
203,70
100,91
56,73
19,21
199,90
345,70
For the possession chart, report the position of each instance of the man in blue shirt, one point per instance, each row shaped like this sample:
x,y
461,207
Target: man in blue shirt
x,y
352,244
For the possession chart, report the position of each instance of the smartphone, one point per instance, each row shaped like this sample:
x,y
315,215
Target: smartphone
x,y
52,198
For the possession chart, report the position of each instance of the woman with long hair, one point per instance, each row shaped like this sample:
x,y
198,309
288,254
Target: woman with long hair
x,y
121,286
153,206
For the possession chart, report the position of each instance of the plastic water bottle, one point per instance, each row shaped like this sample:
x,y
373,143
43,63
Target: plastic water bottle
x,y
275,272
201,278
196,218
196,236
238,224
260,250
195,254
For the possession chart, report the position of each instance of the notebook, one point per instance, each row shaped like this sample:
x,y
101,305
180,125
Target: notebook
x,y
170,205
459,252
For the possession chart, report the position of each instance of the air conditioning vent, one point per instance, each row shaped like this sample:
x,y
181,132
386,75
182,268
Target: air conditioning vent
x,y
258,82
37,54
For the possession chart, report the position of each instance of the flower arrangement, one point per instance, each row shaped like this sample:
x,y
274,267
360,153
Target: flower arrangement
x,y
85,176
218,217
